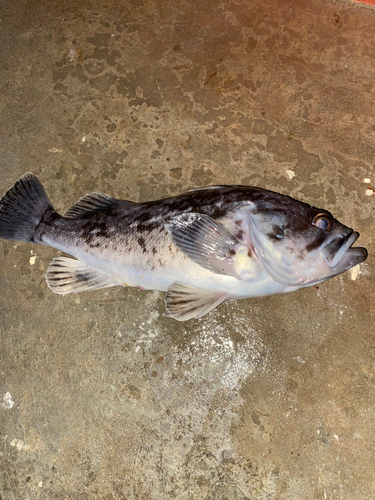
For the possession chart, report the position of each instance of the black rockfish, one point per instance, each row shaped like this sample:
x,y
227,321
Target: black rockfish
x,y
202,248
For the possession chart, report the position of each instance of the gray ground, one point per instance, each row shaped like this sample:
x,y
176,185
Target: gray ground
x,y
263,399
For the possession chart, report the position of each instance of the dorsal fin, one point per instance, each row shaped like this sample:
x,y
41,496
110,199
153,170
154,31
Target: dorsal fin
x,y
207,188
90,203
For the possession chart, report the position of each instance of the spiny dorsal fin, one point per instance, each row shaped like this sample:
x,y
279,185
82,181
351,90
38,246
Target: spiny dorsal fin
x,y
184,302
90,203
205,241
207,188
67,275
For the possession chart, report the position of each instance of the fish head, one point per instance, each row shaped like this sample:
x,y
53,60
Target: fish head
x,y
300,245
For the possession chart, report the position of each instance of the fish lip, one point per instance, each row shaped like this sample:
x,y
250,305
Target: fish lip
x,y
345,254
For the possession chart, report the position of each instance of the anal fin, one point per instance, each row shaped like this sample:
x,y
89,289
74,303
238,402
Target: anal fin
x,y
185,302
67,275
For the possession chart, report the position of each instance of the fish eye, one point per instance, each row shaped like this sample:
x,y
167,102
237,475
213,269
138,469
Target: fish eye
x,y
322,221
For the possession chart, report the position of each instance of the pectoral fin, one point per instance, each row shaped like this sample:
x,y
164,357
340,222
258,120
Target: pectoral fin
x,y
185,302
67,275
205,241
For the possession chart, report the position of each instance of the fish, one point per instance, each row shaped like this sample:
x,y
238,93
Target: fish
x,y
201,248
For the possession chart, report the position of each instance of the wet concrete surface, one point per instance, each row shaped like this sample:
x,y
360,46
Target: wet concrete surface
x,y
270,398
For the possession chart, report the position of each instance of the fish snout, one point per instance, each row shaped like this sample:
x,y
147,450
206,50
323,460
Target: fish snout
x,y
339,253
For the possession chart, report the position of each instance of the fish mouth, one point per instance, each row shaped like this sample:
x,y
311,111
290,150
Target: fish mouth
x,y
340,255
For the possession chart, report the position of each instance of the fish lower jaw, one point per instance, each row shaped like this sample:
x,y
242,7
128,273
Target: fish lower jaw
x,y
351,258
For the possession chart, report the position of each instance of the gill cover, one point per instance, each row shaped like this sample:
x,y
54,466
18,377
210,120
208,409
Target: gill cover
x,y
279,268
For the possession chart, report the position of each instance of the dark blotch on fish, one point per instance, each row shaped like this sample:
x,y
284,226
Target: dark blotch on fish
x,y
316,243
142,243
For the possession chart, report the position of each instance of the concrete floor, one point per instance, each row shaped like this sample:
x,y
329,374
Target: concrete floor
x,y
270,398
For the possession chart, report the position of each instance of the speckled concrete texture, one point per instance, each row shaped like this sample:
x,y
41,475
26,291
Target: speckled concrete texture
x,y
269,398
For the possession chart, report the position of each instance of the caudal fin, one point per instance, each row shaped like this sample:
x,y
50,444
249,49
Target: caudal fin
x,y
22,209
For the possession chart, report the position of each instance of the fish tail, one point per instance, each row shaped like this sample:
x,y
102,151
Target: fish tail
x,y
23,208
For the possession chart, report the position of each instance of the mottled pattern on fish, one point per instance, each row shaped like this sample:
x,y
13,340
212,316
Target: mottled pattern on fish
x,y
133,236
203,247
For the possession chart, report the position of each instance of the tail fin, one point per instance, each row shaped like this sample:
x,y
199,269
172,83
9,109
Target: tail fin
x,y
22,209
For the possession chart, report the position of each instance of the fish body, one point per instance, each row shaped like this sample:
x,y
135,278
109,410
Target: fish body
x,y
201,248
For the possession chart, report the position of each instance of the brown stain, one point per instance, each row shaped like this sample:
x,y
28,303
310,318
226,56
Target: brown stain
x,y
212,75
